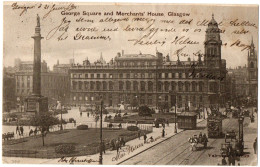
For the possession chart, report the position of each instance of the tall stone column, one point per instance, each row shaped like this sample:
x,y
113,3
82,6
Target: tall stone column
x,y
36,103
37,59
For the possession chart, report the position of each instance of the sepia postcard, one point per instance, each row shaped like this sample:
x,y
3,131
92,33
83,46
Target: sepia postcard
x,y
130,84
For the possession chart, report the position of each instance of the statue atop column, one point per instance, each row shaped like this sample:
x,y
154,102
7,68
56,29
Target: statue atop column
x,y
38,21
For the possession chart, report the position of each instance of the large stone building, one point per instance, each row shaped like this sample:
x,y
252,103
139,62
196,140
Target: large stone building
x,y
54,85
152,80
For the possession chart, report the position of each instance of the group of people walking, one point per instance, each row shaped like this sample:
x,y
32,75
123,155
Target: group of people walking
x,y
19,130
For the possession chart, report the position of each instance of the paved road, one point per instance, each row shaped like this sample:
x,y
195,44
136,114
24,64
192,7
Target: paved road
x,y
177,150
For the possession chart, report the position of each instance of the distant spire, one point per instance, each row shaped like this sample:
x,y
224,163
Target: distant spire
x,y
101,57
212,15
252,41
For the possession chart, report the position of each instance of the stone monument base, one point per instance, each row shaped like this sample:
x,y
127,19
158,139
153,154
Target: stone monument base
x,y
36,104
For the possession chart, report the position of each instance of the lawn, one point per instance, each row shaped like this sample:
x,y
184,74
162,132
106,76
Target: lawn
x,y
85,141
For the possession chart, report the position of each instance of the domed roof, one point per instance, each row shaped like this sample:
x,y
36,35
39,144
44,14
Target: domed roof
x,y
213,21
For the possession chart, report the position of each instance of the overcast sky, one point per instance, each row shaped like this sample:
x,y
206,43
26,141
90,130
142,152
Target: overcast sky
x,y
19,29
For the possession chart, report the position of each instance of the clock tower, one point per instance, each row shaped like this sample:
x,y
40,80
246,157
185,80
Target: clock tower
x,y
212,45
252,71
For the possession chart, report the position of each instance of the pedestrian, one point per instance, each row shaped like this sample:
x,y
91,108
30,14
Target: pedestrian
x,y
75,123
145,137
163,132
255,146
151,139
17,130
167,122
88,114
21,129
229,160
139,134
233,160
31,132
117,146
224,162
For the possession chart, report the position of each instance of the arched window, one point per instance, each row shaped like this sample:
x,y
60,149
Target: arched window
x,y
159,86
187,86
104,86
180,86
173,86
194,85
128,85
251,65
201,85
135,85
166,86
111,85
150,86
142,86
121,85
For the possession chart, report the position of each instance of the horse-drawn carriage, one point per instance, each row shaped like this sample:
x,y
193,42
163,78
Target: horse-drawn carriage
x,y
195,140
7,136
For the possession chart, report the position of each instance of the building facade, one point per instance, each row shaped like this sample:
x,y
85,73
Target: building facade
x,y
153,80
54,85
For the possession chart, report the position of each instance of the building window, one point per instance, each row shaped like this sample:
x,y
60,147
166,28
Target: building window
x,y
98,75
127,75
166,75
92,85
180,75
80,85
150,101
121,85
104,86
98,85
86,98
92,75
160,75
187,87
166,86
74,98
173,86
80,98
74,75
150,75
142,86
110,75
180,101
194,86
74,85
86,85
186,75
150,64
135,75
180,86
120,75
111,85
80,75
104,75
201,87
142,75
150,86
173,75
86,75
128,85
159,86
135,86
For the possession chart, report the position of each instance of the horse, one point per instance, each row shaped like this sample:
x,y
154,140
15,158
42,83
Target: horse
x,y
193,142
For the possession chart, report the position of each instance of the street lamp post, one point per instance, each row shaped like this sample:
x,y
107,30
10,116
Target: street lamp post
x,y
101,140
175,129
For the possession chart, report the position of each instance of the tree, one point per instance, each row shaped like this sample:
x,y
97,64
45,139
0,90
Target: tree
x,y
44,121
145,111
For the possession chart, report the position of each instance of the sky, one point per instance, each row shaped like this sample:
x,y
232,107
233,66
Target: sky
x,y
19,29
